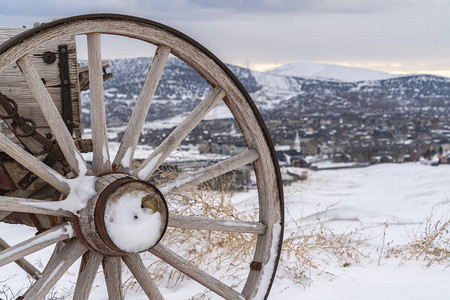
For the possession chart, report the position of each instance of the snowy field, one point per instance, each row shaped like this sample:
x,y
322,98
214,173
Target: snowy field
x,y
347,235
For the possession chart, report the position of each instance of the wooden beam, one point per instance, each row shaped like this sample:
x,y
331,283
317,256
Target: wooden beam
x,y
113,277
34,165
200,223
125,154
140,272
42,240
15,204
100,161
146,169
195,273
55,269
191,180
90,263
22,262
51,113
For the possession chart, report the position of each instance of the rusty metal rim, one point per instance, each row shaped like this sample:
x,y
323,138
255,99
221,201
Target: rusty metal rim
x,y
19,38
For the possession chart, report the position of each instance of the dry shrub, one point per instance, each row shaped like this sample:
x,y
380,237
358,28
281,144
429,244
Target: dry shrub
x,y
311,250
225,255
431,246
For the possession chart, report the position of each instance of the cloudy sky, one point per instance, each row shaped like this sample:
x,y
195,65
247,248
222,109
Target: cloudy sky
x,y
398,36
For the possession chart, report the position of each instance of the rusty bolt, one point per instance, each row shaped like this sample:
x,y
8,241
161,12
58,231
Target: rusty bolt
x,y
49,57
256,265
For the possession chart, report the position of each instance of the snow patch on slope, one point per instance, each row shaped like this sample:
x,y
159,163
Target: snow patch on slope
x,y
329,72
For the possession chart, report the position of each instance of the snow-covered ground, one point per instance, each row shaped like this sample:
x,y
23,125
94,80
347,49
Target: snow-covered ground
x,y
374,210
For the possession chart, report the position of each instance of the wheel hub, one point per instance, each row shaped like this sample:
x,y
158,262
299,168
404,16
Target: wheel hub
x,y
126,216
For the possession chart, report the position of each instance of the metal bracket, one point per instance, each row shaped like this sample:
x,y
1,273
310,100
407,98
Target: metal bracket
x,y
6,183
65,87
52,157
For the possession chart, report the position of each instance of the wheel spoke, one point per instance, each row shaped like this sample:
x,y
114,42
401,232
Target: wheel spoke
x,y
140,272
216,225
33,164
125,154
55,269
22,262
195,273
4,214
189,180
146,169
42,240
51,113
88,270
113,277
14,204
100,160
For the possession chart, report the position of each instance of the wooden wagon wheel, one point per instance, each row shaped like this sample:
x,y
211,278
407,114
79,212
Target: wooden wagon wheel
x,y
86,229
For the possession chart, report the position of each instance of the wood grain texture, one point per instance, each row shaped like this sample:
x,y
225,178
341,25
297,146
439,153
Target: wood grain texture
x,y
155,159
195,273
4,214
113,277
13,84
137,120
34,165
191,180
200,223
90,263
55,269
51,113
22,262
100,161
42,240
140,272
15,204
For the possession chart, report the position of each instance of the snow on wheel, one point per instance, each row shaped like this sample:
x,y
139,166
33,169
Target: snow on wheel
x,y
111,210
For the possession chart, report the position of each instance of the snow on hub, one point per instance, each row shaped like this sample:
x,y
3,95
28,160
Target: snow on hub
x,y
127,215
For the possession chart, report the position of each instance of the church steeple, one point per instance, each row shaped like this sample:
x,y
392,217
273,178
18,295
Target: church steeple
x,y
297,145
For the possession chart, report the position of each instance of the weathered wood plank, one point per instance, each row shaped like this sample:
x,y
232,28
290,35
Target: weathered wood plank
x,y
4,214
113,276
101,161
15,204
51,114
146,169
191,180
55,269
22,262
34,165
200,223
195,273
137,120
42,240
86,275
13,84
140,272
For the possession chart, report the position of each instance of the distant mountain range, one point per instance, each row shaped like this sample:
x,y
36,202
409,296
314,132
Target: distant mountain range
x,y
289,91
329,72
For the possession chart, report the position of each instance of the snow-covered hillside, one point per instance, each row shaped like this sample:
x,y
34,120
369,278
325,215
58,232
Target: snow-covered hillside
x,y
369,215
329,72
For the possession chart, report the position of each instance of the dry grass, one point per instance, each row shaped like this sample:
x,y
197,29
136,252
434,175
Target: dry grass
x,y
308,253
431,246
311,250
226,255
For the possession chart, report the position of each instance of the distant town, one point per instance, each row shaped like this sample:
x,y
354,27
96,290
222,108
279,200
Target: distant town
x,y
392,120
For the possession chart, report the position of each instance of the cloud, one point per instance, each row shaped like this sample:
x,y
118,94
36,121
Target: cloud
x,y
180,7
